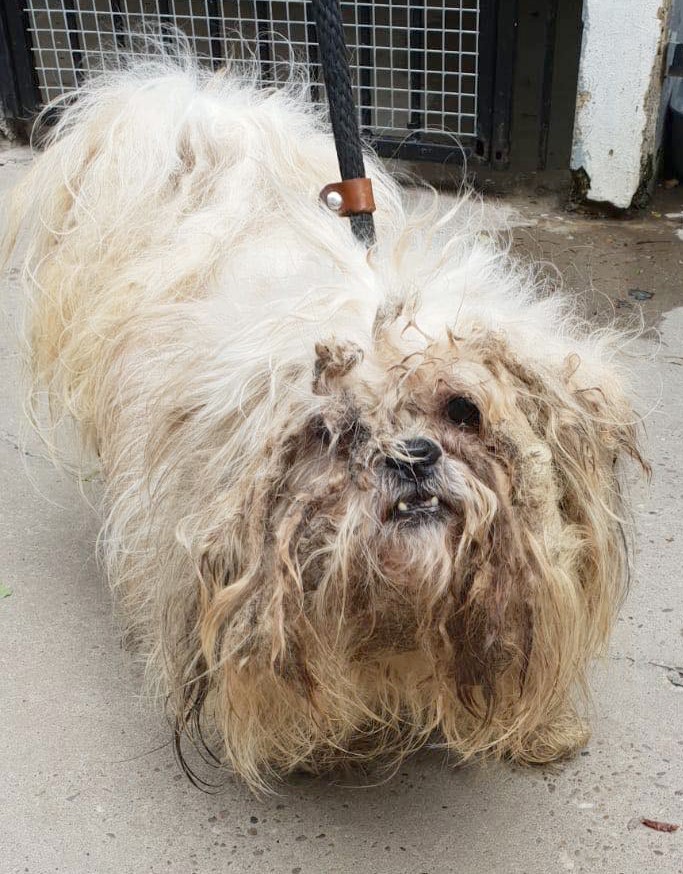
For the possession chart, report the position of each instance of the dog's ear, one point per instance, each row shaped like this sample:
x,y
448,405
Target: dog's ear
x,y
334,360
582,414
548,573
595,407
250,598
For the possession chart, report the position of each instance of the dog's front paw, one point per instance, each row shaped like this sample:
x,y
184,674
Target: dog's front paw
x,y
557,739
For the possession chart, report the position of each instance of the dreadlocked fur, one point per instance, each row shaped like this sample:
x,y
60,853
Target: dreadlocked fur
x,y
253,383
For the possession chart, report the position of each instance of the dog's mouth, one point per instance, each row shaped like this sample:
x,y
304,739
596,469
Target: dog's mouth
x,y
418,508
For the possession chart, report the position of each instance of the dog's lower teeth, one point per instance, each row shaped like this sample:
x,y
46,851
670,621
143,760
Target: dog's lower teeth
x,y
427,504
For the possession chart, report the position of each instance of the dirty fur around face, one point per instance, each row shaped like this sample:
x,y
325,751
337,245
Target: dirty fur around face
x,y
307,586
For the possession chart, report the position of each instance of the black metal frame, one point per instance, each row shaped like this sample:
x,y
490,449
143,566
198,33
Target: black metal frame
x,y
491,145
547,85
497,56
18,85
497,37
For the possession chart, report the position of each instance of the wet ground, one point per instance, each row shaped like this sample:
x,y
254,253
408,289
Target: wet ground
x,y
88,783
625,267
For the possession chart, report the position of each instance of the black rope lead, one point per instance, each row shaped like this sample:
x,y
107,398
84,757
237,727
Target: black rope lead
x,y
337,75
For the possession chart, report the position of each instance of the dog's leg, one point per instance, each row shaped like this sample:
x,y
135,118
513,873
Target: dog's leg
x,y
562,735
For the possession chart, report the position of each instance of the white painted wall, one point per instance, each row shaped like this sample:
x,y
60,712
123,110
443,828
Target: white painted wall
x,y
619,93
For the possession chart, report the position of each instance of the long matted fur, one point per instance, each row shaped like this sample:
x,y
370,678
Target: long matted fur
x,y
251,378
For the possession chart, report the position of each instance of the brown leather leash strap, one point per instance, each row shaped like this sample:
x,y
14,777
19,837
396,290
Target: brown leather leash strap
x,y
351,197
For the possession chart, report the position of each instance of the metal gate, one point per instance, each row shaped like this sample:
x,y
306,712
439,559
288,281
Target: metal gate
x,y
432,80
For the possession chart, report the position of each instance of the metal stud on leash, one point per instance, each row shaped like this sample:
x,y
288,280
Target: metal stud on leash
x,y
334,200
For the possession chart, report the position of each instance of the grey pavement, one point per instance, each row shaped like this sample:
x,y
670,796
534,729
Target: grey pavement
x,y
88,781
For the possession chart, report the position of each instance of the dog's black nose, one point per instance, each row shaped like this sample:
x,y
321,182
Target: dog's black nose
x,y
422,454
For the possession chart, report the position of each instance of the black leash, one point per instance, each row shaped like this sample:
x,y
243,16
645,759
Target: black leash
x,y
353,196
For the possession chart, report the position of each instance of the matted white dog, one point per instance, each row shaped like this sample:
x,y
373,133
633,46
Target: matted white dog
x,y
354,500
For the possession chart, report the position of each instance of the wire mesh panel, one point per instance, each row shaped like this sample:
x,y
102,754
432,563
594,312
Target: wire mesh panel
x,y
415,64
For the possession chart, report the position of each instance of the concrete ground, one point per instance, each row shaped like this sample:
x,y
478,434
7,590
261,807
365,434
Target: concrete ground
x,y
88,782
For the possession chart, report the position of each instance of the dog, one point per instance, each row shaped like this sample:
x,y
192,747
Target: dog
x,y
354,501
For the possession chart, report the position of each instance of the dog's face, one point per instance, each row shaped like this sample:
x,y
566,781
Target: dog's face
x,y
396,468
436,489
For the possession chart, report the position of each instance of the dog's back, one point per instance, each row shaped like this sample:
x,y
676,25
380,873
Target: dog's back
x,y
150,177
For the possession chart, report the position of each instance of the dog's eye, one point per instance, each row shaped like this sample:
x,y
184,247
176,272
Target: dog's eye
x,y
463,412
